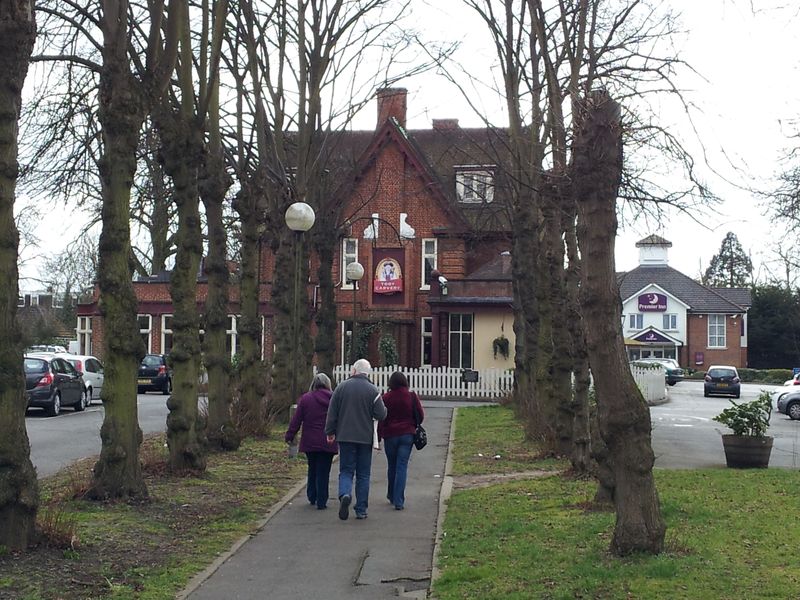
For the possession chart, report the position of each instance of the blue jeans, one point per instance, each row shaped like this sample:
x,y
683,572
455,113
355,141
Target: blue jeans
x,y
319,471
398,452
355,459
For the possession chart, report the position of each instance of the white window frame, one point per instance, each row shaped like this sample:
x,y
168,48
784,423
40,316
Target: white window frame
x,y
717,331
20,301
148,331
635,321
84,333
425,335
475,184
460,333
164,331
669,321
346,283
233,334
424,284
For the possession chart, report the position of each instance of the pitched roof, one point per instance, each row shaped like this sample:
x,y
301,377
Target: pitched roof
x,y
653,240
699,297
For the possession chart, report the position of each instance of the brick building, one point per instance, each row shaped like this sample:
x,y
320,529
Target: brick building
x,y
667,314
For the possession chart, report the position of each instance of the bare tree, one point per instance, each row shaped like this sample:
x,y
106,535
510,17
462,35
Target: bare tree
x,y
125,100
19,492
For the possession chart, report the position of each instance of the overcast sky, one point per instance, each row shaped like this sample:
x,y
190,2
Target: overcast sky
x,y
746,97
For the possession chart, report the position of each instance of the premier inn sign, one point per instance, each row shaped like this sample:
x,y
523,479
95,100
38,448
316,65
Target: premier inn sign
x,y
652,303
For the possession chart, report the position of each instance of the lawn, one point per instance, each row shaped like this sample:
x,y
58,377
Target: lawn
x,y
730,533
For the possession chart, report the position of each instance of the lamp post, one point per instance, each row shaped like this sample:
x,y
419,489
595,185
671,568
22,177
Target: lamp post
x,y
354,272
299,218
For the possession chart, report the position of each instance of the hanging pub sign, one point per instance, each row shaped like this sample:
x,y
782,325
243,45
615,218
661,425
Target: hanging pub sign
x,y
652,302
388,277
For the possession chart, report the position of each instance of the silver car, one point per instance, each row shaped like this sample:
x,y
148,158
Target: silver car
x,y
92,370
789,404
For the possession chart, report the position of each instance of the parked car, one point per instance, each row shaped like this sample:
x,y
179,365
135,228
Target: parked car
x,y
789,404
44,348
154,375
673,373
721,379
51,382
92,370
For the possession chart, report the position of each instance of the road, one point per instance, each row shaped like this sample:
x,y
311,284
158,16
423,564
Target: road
x,y
684,436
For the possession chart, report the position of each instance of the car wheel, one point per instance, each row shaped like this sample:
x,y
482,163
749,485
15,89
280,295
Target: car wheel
x,y
167,388
140,390
55,408
81,403
736,396
793,410
705,394
671,382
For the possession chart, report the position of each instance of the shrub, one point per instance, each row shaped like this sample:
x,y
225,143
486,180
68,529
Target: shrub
x,y
748,418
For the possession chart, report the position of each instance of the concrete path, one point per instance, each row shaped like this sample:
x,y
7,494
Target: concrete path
x,y
301,552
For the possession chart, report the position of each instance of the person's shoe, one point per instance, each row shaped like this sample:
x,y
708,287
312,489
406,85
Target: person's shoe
x,y
398,507
323,507
361,515
344,507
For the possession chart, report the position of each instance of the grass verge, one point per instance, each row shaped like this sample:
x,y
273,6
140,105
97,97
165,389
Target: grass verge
x,y
148,550
728,535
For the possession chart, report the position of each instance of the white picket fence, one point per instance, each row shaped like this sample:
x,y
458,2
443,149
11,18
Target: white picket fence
x,y
492,383
441,381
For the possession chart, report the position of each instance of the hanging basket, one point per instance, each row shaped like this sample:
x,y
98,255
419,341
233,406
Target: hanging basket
x,y
747,451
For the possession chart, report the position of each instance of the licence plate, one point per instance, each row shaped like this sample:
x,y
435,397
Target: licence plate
x,y
143,382
722,385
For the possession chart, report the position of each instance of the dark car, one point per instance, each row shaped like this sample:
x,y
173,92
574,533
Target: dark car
x,y
51,382
673,373
154,375
789,404
721,380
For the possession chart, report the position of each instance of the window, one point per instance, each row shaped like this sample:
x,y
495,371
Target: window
x,y
427,342
349,255
58,301
232,340
84,331
20,301
475,185
670,322
428,262
716,331
166,334
34,300
145,325
636,321
461,341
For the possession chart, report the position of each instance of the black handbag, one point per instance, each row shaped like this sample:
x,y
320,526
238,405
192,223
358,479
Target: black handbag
x,y
420,435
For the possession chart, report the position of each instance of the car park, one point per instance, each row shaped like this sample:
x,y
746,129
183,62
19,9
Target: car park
x,y
154,375
52,382
721,380
789,405
92,370
673,373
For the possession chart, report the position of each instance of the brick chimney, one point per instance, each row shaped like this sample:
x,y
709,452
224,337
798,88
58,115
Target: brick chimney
x,y
392,103
445,124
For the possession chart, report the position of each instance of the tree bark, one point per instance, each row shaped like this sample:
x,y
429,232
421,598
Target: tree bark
x,y
325,341
19,491
624,417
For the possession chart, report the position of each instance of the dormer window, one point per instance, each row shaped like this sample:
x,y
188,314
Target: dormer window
x,y
475,184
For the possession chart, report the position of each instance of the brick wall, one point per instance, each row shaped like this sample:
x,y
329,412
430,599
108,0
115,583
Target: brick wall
x,y
697,341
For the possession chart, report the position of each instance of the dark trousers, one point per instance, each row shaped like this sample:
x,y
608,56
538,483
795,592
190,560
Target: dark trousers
x,y
319,472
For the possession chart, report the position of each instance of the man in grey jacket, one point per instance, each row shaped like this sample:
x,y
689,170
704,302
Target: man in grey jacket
x,y
354,404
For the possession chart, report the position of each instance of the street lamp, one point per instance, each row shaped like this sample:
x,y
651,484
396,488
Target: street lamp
x,y
354,272
299,218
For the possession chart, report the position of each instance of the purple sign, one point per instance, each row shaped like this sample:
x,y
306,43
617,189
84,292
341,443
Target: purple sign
x,y
652,303
652,337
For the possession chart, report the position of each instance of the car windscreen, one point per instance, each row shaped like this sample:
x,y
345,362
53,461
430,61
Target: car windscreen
x,y
151,361
721,373
34,365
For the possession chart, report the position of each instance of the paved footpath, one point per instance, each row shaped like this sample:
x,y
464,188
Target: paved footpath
x,y
303,553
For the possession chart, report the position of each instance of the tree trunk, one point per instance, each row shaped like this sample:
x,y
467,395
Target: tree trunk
x,y
251,376
623,416
325,342
220,429
181,154
118,474
19,491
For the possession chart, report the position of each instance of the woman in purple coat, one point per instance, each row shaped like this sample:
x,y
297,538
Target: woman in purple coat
x,y
312,410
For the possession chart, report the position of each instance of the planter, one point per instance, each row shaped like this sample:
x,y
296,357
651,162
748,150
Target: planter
x,y
746,451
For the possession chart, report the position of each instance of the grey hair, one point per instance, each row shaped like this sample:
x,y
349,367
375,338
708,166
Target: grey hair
x,y
319,382
361,367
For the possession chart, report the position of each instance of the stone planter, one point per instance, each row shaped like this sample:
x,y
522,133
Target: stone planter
x,y
746,452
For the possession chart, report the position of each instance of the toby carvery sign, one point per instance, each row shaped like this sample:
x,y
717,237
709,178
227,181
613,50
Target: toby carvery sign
x,y
652,303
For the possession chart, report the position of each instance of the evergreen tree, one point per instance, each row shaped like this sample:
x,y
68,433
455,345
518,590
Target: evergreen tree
x,y
773,330
730,267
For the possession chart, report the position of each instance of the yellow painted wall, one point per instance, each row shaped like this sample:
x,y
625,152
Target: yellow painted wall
x,y
487,327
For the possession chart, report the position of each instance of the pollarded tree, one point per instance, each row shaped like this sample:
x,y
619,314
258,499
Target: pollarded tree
x,y
19,492
730,267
